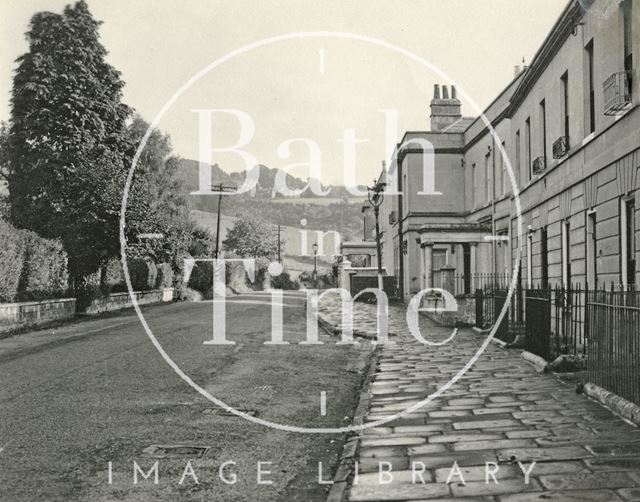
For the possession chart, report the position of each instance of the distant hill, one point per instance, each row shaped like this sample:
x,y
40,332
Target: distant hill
x,y
339,211
189,172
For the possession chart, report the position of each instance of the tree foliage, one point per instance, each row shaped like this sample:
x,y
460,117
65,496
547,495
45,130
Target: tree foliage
x,y
68,139
71,143
252,237
158,200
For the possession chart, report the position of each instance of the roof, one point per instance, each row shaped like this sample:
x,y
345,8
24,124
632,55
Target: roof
x,y
459,125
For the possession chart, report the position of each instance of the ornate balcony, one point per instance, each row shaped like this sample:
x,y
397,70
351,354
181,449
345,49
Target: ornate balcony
x,y
617,93
539,165
560,147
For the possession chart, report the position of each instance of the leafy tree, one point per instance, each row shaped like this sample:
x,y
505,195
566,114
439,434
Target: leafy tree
x,y
4,172
202,244
158,201
252,237
68,140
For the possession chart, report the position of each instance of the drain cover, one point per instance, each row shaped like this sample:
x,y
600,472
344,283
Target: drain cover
x,y
175,450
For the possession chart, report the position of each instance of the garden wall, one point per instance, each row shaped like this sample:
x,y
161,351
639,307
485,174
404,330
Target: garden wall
x,y
18,315
117,301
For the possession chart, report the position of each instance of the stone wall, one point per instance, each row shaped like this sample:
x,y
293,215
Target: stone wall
x,y
119,301
17,315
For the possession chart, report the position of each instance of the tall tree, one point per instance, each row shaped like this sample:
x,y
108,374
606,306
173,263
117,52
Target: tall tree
x,y
68,140
158,200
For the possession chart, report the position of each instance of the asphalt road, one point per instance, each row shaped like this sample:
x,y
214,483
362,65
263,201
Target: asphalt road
x,y
77,397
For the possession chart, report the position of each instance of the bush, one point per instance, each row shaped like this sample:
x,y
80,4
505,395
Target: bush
x,y
45,269
201,278
142,274
113,277
88,291
12,255
284,281
31,268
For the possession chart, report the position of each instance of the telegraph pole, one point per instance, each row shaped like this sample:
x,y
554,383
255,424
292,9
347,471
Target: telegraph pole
x,y
220,188
278,228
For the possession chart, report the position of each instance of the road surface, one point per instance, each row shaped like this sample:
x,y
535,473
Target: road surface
x,y
75,398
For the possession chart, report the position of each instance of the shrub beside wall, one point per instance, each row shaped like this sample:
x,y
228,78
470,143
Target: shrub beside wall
x,y
45,269
142,274
31,268
11,261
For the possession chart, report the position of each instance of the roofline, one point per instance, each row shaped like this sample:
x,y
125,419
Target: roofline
x,y
501,94
558,34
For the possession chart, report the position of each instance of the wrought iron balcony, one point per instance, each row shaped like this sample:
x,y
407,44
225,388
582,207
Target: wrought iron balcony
x,y
539,165
560,147
617,93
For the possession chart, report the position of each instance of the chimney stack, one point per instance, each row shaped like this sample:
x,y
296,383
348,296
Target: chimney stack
x,y
516,70
445,110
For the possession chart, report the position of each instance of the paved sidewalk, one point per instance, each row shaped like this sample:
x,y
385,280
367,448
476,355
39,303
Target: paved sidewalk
x,y
502,412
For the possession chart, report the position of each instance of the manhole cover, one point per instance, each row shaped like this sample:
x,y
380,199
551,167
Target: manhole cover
x,y
175,450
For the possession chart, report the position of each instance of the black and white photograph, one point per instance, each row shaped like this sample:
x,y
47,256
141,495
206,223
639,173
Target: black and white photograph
x,y
319,251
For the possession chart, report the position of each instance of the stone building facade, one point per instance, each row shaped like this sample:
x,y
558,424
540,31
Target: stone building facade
x,y
569,125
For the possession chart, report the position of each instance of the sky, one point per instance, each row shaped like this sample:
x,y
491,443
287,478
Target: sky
x,y
312,87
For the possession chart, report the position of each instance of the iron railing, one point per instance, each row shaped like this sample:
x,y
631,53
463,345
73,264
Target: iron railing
x,y
600,326
560,147
552,320
617,92
467,284
613,321
539,165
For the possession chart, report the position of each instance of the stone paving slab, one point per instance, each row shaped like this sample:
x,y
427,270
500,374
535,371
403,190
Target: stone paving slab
x,y
498,419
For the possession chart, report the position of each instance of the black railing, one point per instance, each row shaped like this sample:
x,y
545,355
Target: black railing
x,y
599,326
560,147
467,284
617,92
613,334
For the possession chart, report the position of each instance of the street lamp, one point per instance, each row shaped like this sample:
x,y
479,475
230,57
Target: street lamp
x,y
315,265
376,196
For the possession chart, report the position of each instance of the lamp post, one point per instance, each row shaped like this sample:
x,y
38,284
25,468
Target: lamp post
x,y
315,265
376,196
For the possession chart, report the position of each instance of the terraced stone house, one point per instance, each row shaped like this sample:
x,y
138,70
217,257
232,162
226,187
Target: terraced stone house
x,y
569,124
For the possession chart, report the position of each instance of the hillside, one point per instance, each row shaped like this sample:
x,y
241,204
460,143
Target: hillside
x,y
265,187
340,214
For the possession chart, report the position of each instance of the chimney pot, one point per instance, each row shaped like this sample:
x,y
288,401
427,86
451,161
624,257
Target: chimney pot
x,y
454,94
445,92
436,91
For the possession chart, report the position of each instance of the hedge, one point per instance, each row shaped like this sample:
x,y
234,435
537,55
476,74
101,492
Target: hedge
x,y
31,268
142,274
45,269
113,277
12,253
